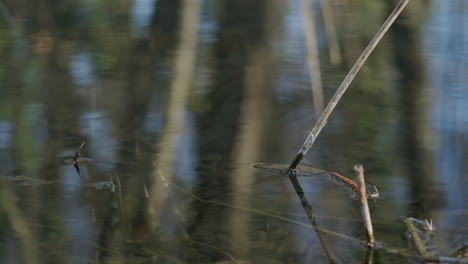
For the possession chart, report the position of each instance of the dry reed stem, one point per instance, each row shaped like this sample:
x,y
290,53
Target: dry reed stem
x,y
364,205
321,122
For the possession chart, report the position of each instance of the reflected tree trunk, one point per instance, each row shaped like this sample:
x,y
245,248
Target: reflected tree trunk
x,y
246,151
178,98
416,102
238,58
19,225
130,220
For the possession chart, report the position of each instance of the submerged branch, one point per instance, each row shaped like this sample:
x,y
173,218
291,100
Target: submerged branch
x,y
418,241
310,214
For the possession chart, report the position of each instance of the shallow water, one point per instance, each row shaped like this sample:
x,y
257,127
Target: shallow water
x,y
177,100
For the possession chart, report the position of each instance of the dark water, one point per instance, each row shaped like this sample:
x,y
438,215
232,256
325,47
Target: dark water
x,y
177,99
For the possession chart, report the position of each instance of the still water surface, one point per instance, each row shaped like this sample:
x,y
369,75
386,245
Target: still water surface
x,y
177,99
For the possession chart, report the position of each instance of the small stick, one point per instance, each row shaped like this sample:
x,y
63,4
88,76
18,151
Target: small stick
x,y
322,121
364,206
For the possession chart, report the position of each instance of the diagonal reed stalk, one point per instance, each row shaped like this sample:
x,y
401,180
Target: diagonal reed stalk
x,y
321,122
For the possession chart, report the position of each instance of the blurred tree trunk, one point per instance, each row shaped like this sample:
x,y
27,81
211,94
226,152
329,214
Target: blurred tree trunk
x,y
240,33
418,139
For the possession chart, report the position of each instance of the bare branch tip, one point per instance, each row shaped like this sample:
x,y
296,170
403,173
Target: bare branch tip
x,y
358,168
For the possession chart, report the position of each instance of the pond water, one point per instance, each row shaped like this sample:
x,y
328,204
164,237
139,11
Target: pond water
x,y
178,99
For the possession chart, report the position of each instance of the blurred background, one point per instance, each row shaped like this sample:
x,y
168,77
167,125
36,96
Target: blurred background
x,y
177,99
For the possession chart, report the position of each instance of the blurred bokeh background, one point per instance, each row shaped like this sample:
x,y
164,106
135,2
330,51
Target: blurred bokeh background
x,y
177,99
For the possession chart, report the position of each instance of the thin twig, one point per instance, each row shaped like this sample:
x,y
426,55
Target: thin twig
x,y
364,205
345,84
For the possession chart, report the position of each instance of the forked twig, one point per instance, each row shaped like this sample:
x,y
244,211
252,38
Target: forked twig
x,y
345,84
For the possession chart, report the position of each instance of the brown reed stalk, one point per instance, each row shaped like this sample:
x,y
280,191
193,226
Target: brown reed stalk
x,y
364,205
348,182
321,122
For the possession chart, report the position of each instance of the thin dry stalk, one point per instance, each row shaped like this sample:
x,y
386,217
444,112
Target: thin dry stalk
x,y
312,56
364,205
345,84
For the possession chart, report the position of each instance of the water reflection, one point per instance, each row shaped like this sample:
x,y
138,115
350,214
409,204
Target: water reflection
x,y
449,70
6,159
142,12
97,128
198,91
